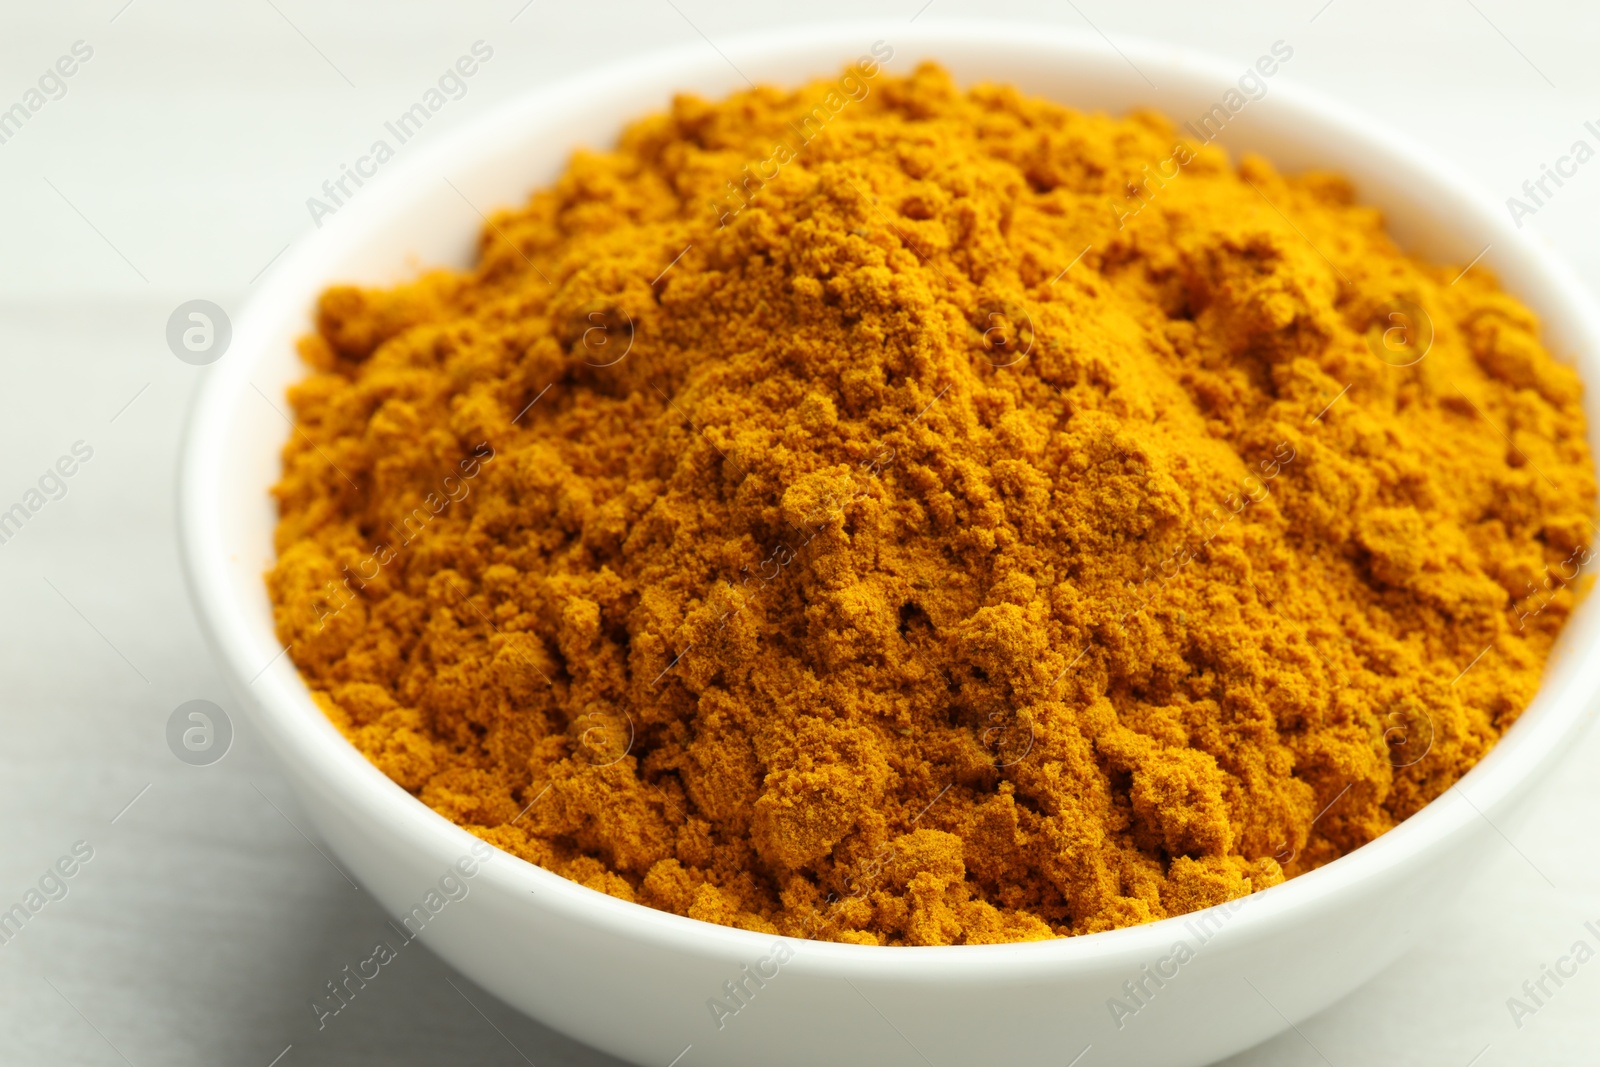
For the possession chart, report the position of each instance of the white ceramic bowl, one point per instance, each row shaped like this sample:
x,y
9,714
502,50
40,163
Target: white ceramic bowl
x,y
635,982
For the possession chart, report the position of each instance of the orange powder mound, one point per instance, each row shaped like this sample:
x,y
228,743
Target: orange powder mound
x,y
896,514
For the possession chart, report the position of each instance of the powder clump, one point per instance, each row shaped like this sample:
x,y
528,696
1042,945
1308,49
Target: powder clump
x,y
896,514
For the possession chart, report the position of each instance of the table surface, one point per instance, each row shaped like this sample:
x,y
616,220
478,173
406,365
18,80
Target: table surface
x,y
176,166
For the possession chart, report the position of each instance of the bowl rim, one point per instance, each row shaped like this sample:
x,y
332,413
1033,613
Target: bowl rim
x,y
282,704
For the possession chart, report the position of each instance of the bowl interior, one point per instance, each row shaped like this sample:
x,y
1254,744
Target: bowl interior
x,y
426,209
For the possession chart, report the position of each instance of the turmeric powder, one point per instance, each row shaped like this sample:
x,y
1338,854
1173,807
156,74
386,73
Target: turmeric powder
x,y
905,515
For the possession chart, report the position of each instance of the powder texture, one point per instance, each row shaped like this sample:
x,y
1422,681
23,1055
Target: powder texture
x,y
899,514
